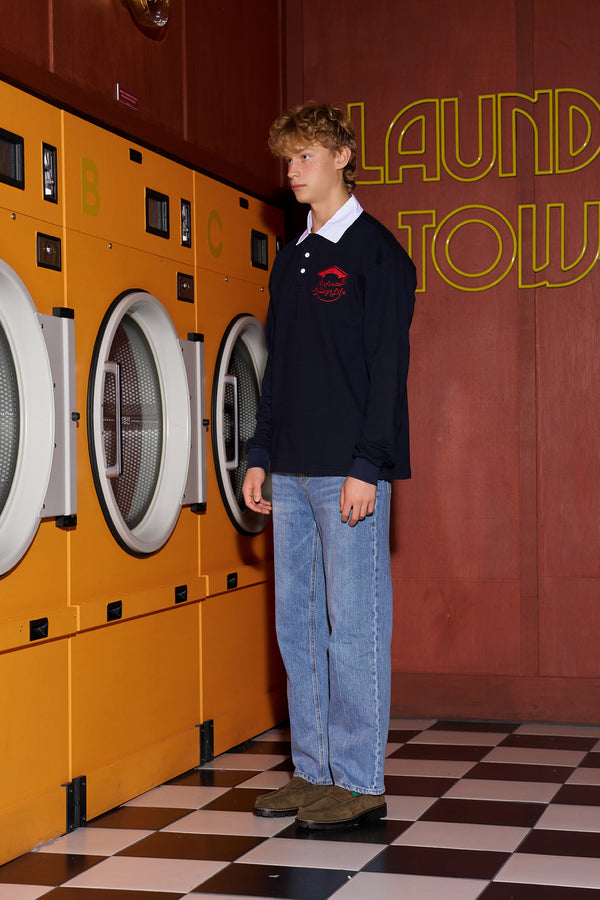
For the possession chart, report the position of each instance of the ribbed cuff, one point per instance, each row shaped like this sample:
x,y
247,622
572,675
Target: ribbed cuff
x,y
364,470
258,458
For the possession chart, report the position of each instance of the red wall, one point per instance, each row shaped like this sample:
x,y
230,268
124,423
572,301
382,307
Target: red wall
x,y
207,86
496,539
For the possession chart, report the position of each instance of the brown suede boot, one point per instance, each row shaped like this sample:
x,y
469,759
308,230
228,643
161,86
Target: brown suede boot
x,y
288,799
340,808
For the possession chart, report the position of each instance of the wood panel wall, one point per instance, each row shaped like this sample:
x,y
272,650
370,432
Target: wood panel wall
x,y
496,539
207,86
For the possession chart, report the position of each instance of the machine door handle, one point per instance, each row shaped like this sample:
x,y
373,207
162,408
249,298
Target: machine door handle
x,y
234,462
114,369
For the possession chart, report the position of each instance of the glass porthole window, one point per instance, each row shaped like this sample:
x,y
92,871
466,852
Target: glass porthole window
x,y
139,426
236,391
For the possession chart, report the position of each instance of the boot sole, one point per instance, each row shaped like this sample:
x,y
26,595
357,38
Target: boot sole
x,y
275,813
371,815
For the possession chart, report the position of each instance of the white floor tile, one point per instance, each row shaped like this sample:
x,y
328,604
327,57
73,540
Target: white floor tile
x,y
565,730
564,817
458,836
267,780
523,791
535,756
25,891
436,768
411,724
584,776
467,738
215,821
533,868
95,841
407,809
381,886
274,734
312,854
221,897
256,761
174,796
148,874
391,748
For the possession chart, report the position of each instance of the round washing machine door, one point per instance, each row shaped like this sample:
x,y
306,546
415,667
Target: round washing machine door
x,y
236,391
26,419
139,424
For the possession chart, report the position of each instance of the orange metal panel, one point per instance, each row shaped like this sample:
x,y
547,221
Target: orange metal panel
x,y
35,752
223,549
97,273
37,123
135,699
224,220
243,682
105,190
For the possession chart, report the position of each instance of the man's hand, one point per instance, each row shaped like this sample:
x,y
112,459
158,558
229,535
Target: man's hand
x,y
252,491
357,497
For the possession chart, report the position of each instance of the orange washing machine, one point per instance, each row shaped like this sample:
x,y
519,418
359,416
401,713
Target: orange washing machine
x,y
134,572
242,678
38,501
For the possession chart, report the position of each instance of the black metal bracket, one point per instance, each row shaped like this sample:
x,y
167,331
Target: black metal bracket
x,y
207,741
76,803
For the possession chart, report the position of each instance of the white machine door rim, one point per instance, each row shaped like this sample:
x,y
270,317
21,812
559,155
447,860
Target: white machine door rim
x,y
139,311
246,333
22,509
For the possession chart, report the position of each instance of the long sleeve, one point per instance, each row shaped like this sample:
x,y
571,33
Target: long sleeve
x,y
389,303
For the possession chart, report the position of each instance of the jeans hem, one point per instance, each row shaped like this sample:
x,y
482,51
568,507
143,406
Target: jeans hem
x,y
298,774
360,790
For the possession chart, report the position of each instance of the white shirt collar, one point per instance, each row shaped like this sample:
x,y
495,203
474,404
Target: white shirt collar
x,y
338,224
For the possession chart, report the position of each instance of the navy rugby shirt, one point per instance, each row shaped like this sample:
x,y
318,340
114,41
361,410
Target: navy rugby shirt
x,y
334,390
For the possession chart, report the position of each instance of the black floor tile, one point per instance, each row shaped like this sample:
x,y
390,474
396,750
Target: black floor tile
x,y
146,818
548,742
266,747
213,777
417,786
171,845
438,862
236,800
67,893
485,812
562,843
286,883
286,766
488,727
398,736
578,795
591,761
46,868
382,831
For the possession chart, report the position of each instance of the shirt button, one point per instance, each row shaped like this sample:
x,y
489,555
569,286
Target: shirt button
x,y
302,271
307,254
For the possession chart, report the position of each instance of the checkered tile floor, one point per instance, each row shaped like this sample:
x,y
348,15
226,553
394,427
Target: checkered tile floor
x,y
475,810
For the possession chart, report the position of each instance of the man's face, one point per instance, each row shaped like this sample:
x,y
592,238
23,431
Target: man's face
x,y
315,173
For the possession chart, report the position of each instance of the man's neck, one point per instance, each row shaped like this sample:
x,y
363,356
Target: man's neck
x,y
323,212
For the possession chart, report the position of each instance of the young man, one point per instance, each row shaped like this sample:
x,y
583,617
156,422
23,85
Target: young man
x,y
332,425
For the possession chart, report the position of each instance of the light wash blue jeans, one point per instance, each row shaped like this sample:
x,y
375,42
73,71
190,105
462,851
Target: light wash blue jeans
x,y
334,627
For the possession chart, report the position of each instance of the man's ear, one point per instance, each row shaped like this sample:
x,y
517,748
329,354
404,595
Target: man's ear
x,y
343,156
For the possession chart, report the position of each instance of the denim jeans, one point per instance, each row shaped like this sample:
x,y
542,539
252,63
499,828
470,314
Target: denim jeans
x,y
334,627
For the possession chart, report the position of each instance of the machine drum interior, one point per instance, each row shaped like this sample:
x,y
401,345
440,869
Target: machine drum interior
x,y
242,367
141,421
9,419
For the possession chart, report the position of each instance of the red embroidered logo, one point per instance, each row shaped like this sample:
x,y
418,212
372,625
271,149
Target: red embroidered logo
x,y
331,284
